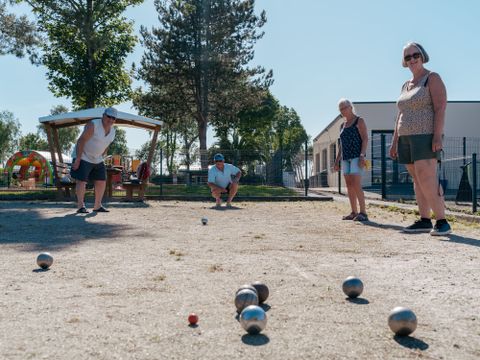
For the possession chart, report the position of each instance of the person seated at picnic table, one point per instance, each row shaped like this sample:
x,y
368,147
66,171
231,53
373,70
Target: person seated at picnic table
x,y
223,178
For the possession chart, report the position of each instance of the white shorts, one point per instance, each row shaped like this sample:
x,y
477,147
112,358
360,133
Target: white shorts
x,y
352,167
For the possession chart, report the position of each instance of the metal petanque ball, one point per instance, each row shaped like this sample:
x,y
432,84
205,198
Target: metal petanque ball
x,y
352,286
253,319
262,291
44,260
248,287
204,221
402,321
245,298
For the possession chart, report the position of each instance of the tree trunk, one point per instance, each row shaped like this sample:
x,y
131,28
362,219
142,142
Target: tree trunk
x,y
202,132
90,52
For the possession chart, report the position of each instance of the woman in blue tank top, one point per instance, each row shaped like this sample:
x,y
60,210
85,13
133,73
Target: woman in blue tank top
x,y
351,152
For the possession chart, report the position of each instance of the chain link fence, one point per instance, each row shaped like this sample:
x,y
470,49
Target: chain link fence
x,y
181,169
458,171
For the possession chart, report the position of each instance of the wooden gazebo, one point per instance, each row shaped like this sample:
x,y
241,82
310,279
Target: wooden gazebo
x,y
54,122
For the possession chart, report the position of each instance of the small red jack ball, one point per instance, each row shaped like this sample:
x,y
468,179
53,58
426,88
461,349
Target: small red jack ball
x,y
193,319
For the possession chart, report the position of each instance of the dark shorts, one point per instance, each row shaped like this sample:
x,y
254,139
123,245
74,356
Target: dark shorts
x,y
89,172
227,189
416,147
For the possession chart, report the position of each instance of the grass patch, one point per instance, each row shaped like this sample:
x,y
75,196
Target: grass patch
x,y
166,189
204,190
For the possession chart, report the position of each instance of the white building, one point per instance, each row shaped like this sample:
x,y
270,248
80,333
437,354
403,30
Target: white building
x,y
462,121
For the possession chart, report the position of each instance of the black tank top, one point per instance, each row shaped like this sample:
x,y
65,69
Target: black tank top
x,y
351,141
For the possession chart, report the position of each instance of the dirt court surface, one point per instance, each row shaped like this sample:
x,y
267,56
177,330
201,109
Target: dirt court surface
x,y
123,283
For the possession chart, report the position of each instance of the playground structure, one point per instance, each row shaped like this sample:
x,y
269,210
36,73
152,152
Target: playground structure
x,y
54,122
30,168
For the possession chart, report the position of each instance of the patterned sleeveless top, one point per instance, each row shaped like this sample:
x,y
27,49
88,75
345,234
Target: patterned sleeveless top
x,y
416,109
351,141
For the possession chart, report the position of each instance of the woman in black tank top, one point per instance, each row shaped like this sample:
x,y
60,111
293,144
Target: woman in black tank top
x,y
351,152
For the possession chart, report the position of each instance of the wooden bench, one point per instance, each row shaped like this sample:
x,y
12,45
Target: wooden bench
x,y
130,187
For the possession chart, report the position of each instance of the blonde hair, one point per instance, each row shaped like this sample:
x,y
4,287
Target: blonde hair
x,y
347,102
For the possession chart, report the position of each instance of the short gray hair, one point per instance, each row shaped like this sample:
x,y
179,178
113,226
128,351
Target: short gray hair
x,y
421,50
344,101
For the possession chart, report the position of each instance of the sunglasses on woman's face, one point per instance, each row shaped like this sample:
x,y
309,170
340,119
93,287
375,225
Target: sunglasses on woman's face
x,y
414,56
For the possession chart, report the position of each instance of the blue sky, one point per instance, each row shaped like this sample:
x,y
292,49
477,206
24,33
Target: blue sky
x,y
319,51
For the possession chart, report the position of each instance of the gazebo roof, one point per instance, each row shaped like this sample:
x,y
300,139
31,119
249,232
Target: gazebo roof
x,y
81,117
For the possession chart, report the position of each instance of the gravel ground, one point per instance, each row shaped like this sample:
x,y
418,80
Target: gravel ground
x,y
123,283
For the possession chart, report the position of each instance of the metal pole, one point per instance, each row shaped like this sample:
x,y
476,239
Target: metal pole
x,y
161,171
306,168
464,150
474,181
339,173
384,167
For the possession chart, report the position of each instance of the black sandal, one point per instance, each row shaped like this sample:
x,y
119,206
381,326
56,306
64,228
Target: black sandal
x,y
82,210
101,209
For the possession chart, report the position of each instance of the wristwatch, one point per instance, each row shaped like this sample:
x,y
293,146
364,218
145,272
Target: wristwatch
x,y
362,155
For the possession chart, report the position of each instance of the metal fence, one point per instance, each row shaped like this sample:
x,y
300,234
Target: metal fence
x,y
272,168
458,170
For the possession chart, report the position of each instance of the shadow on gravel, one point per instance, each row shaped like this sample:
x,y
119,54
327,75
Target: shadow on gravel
x,y
34,231
224,208
462,240
265,307
255,340
411,342
382,226
40,270
358,301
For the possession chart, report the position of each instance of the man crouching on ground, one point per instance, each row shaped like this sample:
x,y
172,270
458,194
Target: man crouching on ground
x,y
223,178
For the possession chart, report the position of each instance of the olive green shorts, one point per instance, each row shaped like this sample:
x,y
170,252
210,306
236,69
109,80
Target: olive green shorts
x,y
416,147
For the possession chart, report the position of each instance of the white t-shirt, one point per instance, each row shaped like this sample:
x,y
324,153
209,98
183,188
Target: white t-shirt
x,y
222,178
96,145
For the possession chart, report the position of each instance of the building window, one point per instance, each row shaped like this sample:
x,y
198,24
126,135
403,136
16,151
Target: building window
x,y
324,160
333,153
317,163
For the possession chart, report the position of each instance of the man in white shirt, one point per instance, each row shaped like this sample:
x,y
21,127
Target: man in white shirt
x,y
88,156
223,178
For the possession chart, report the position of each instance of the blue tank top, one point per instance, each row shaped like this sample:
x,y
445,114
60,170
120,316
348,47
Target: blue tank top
x,y
351,141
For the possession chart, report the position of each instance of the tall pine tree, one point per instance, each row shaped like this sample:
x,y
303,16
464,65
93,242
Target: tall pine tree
x,y
201,50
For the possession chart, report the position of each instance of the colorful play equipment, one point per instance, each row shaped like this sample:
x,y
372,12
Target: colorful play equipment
x,y
31,165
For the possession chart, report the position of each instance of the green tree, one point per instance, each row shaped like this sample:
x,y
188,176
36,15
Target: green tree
x,y
142,154
9,134
289,135
245,136
33,141
18,35
88,42
202,49
162,102
119,144
67,136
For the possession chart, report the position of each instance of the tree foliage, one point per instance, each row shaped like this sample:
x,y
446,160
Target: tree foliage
x,y
200,52
289,135
142,154
9,134
85,54
260,133
32,141
119,144
67,136
18,35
